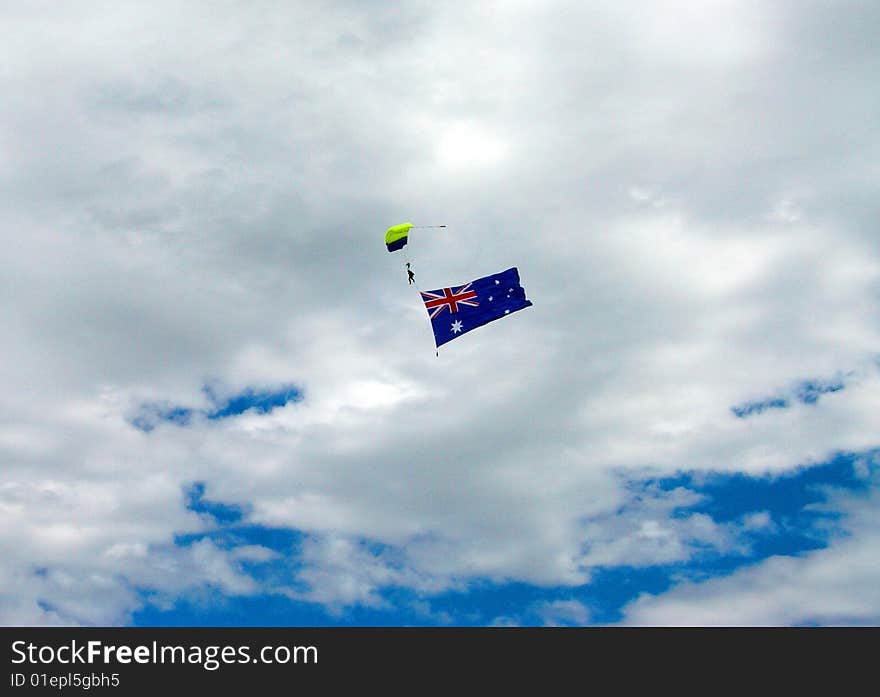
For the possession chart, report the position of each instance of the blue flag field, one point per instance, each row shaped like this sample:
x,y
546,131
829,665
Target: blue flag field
x,y
457,310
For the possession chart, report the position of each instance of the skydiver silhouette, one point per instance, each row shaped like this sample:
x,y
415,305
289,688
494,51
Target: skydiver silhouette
x,y
412,276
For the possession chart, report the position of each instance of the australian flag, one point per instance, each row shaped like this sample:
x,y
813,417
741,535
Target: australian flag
x,y
455,311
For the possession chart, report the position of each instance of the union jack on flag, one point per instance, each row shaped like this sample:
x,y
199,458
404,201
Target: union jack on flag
x,y
448,299
473,304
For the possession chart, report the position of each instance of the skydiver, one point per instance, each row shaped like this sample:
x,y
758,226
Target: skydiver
x,y
412,276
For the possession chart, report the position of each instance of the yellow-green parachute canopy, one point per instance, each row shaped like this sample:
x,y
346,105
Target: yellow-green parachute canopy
x,y
396,236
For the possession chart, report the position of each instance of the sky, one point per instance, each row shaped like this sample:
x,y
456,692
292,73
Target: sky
x,y
221,402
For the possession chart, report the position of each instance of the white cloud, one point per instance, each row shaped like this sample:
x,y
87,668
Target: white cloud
x,y
648,532
834,586
563,612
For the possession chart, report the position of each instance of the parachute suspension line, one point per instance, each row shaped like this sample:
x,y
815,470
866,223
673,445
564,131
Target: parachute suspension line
x,y
406,261
407,266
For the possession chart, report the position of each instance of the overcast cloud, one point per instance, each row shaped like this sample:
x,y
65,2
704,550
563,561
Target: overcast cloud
x,y
196,195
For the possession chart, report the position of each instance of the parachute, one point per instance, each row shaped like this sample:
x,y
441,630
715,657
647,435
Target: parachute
x,y
397,236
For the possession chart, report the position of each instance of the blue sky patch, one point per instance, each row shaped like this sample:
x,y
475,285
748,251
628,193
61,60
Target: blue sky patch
x,y
788,503
261,401
749,408
807,392
730,496
150,415
223,513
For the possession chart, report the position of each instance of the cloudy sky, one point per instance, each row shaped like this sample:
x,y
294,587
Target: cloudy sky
x,y
221,401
